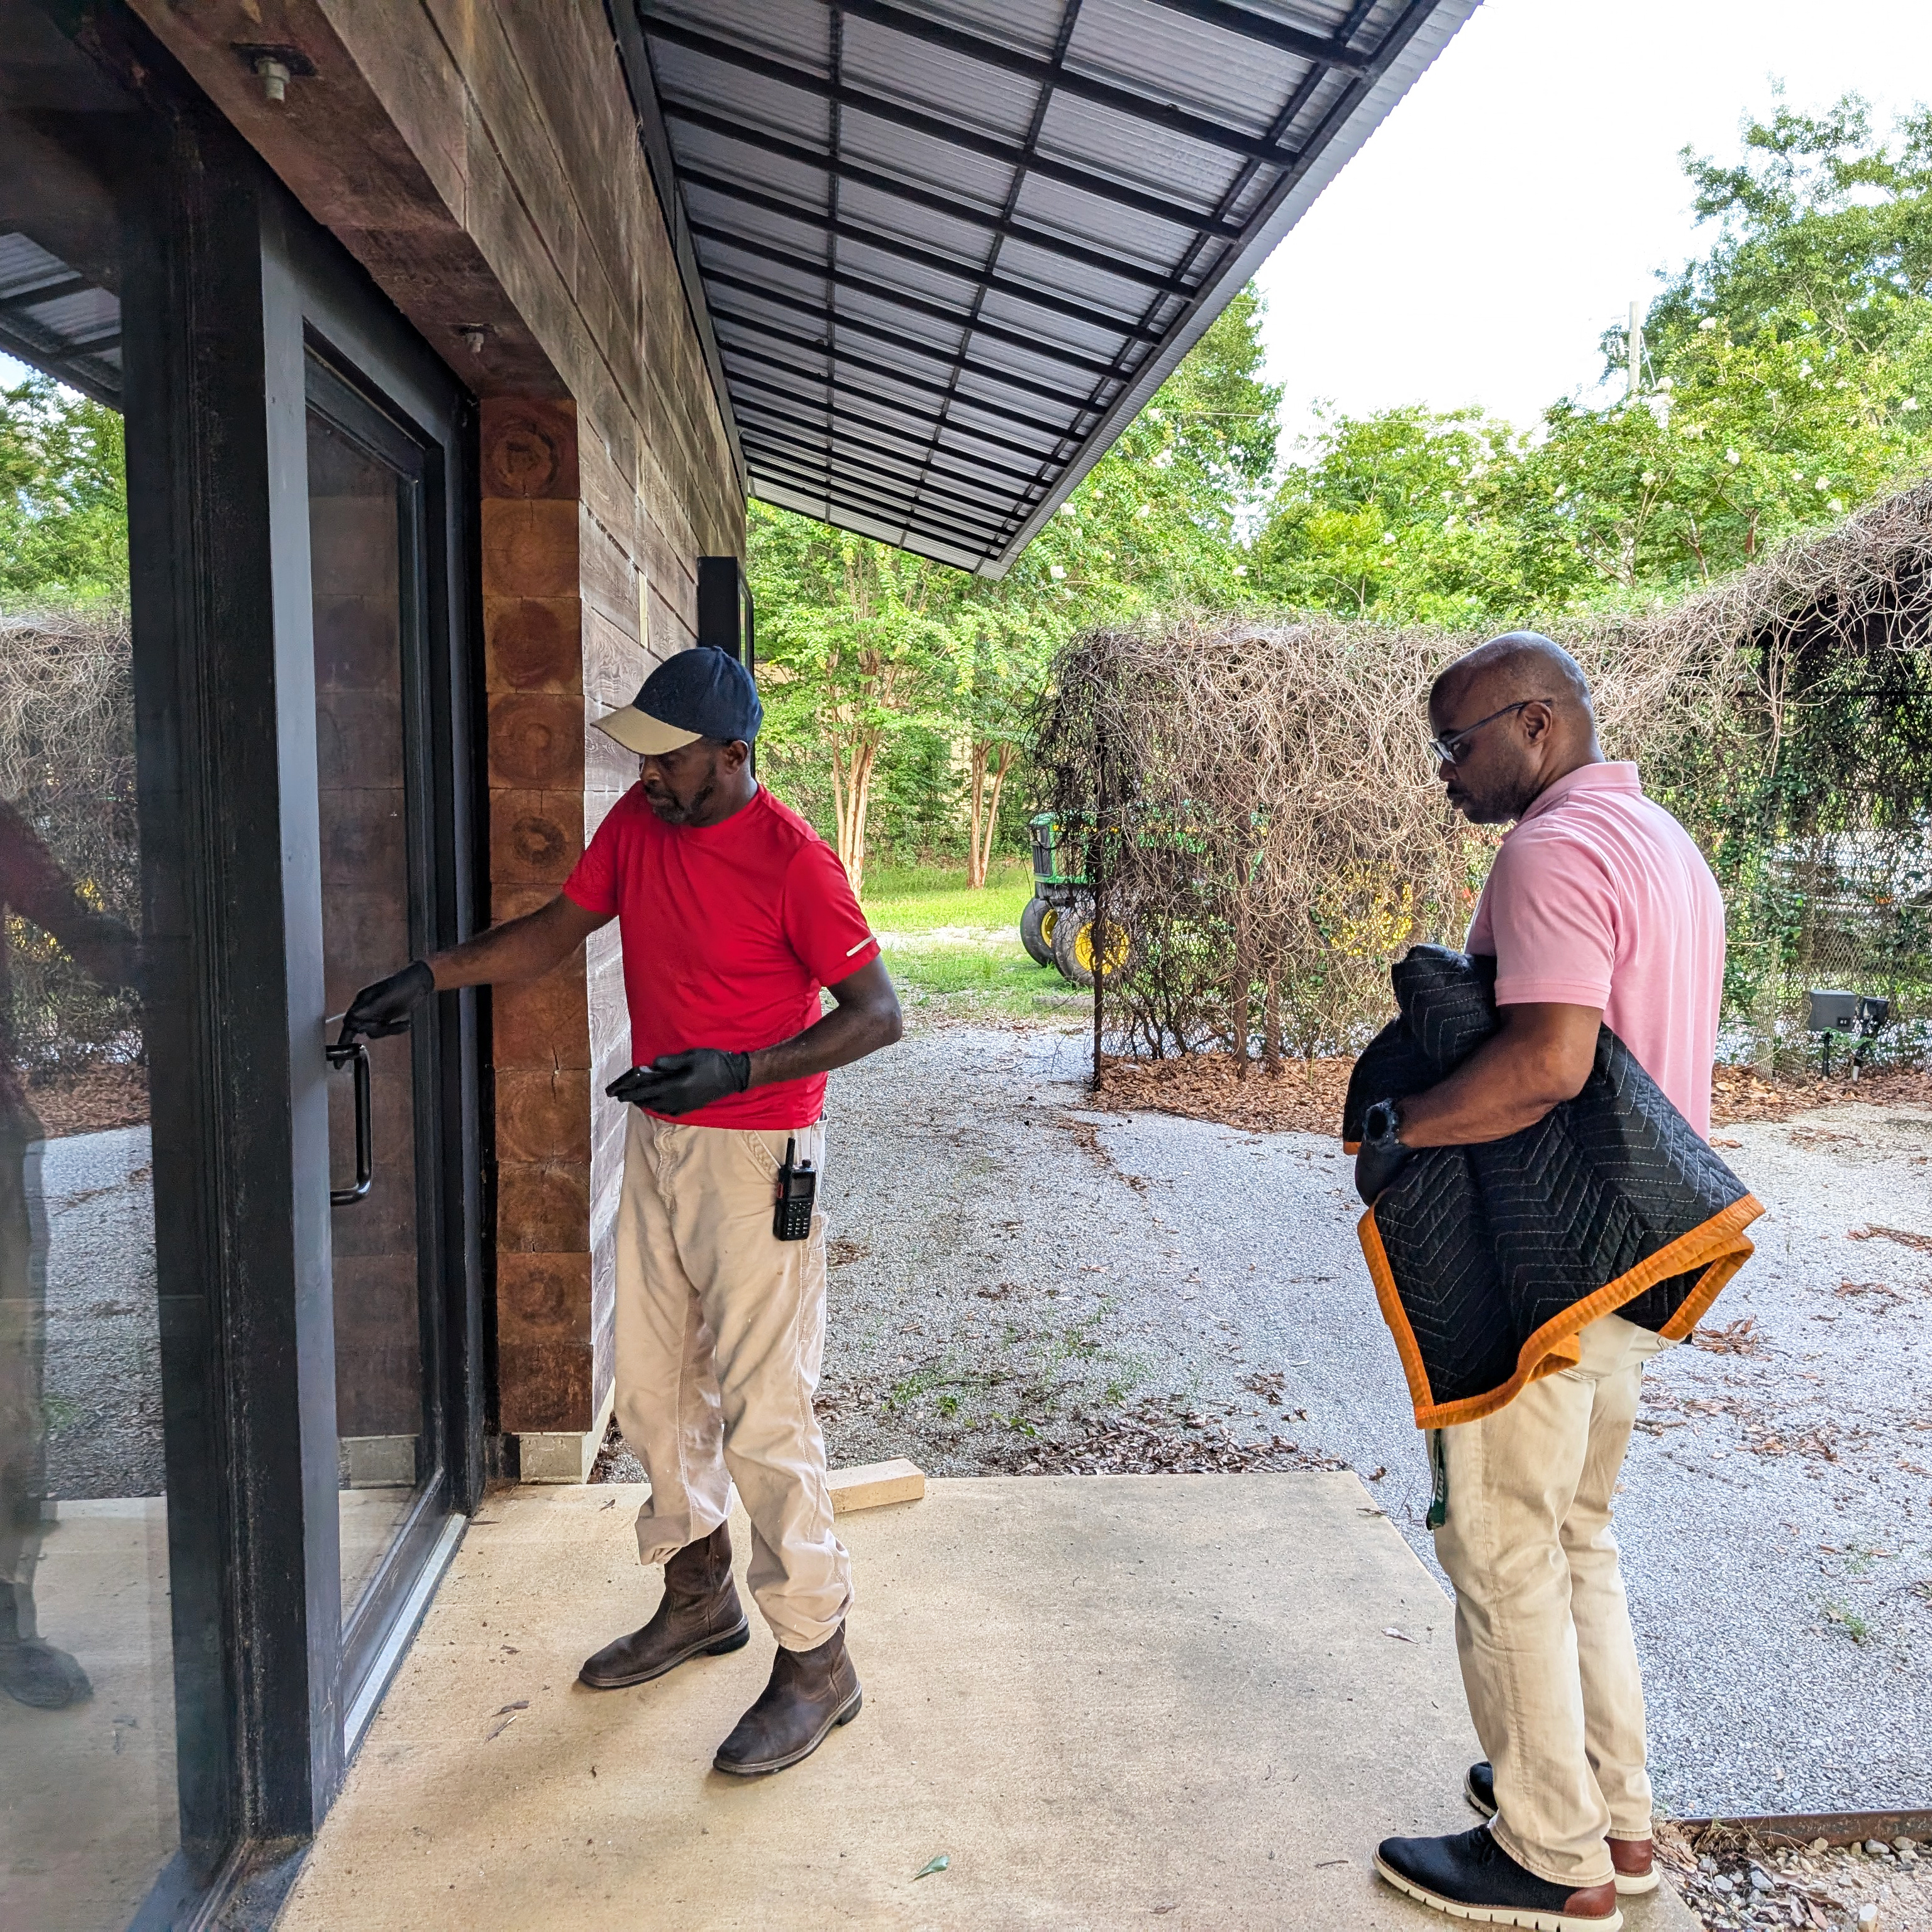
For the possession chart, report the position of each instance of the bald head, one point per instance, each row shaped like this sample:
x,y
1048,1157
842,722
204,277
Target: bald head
x,y
1519,664
1515,716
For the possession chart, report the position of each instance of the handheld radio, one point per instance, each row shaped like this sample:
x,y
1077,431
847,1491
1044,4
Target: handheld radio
x,y
798,1189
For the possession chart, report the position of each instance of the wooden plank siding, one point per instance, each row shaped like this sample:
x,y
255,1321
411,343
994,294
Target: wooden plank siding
x,y
480,158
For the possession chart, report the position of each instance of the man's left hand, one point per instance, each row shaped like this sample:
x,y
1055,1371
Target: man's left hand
x,y
681,1083
1381,1155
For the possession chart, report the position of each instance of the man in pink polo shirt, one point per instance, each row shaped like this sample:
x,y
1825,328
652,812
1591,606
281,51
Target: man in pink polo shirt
x,y
1599,910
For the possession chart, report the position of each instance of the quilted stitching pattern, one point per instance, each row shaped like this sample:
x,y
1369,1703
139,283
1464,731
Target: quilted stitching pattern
x,y
1486,1244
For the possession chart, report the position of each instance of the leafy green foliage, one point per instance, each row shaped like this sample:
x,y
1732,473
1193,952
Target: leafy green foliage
x,y
63,497
1788,379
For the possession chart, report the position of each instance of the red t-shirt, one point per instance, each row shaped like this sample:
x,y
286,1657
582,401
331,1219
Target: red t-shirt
x,y
729,930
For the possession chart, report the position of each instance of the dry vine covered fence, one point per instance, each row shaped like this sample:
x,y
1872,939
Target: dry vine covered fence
x,y
67,764
1272,835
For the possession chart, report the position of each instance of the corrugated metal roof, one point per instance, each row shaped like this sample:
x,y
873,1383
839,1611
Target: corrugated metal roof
x,y
52,316
942,254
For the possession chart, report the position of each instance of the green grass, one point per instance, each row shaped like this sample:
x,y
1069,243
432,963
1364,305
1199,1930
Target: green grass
x,y
981,966
921,899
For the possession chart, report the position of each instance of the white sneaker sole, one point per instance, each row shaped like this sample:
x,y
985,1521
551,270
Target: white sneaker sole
x,y
1497,1915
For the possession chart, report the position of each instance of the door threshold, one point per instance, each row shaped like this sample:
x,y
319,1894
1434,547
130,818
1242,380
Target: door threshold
x,y
402,1633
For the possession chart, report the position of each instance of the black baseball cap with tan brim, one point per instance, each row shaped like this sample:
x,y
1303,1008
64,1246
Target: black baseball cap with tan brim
x,y
700,693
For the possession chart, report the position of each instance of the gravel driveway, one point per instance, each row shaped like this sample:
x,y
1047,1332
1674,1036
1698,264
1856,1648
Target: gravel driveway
x,y
1020,1284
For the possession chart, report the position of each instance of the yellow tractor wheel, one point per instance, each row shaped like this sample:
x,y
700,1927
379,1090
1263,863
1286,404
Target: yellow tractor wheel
x,y
1074,951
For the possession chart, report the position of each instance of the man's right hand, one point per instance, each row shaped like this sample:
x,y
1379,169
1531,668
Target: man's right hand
x,y
385,1007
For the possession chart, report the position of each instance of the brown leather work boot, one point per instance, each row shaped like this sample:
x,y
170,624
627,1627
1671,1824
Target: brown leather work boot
x,y
700,1616
810,1691
1634,1862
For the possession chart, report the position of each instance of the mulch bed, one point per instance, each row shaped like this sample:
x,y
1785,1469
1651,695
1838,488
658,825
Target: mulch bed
x,y
1305,1096
1739,1095
92,1101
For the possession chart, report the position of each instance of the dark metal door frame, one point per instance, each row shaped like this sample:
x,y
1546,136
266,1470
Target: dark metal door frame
x,y
231,290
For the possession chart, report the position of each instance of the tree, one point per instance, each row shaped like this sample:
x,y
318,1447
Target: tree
x,y
1409,516
1823,226
63,497
1157,522
854,642
865,642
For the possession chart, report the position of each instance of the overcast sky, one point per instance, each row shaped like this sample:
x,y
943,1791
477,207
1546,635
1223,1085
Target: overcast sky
x,y
1506,212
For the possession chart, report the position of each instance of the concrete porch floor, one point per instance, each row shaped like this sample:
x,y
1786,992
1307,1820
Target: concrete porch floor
x,y
1111,1702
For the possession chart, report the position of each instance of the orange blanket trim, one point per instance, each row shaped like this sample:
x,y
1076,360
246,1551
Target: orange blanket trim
x,y
1717,1245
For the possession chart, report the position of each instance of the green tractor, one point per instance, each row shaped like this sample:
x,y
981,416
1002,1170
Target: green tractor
x,y
1057,928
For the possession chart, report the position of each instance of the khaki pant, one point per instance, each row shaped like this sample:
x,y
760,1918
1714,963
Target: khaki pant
x,y
1542,1627
721,1331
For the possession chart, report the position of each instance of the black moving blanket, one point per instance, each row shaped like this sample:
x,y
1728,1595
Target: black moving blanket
x,y
1488,1259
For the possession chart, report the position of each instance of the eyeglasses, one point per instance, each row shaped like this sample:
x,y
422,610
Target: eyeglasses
x,y
1449,749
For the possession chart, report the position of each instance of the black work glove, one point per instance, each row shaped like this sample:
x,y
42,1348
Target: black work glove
x,y
385,1007
681,1083
1381,1155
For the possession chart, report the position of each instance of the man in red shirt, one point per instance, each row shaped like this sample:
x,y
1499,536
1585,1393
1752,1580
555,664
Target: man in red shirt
x,y
734,914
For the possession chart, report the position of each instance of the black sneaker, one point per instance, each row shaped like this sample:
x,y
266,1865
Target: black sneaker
x,y
1469,1875
1632,1858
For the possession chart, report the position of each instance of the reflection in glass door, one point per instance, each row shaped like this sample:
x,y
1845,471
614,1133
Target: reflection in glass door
x,y
366,534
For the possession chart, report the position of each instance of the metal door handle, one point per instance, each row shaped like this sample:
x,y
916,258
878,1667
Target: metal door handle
x,y
346,1052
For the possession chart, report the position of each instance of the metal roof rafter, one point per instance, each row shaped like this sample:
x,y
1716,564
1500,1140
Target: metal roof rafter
x,y
924,258
761,426
784,298
846,169
1274,33
905,298
1027,480
991,147
992,528
69,284
738,352
825,485
1172,117
775,429
1069,13
921,435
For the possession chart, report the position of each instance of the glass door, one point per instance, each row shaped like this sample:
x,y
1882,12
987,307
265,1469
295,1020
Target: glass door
x,y
370,557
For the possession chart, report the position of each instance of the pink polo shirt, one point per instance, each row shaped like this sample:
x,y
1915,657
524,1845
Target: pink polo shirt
x,y
1599,898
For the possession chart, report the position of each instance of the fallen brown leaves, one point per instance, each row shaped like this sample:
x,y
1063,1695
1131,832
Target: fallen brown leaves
x,y
92,1101
1904,1237
1735,1338
1305,1097
1740,1093
1155,1440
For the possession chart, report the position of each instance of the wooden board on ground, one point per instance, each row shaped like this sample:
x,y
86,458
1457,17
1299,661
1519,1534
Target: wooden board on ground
x,y
872,1485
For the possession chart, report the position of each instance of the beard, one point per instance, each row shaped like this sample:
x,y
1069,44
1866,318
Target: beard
x,y
674,811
